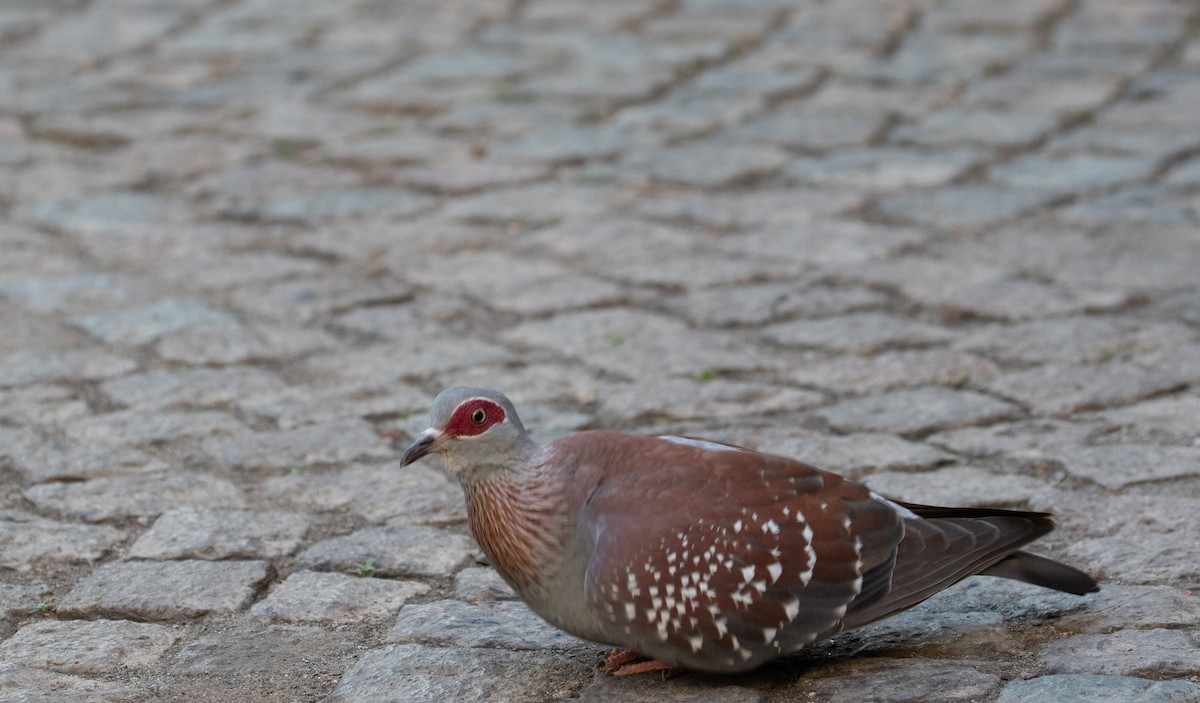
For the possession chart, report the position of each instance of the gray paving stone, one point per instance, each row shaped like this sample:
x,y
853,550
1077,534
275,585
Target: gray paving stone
x,y
957,127
324,206
476,584
40,405
856,332
758,209
882,169
397,550
1171,419
17,599
72,293
379,493
1157,652
894,369
1026,439
146,426
1076,173
25,684
968,206
328,443
1017,299
297,406
645,689
1083,688
174,590
513,282
907,681
40,460
855,454
701,397
811,129
638,344
89,647
709,165
1180,361
24,368
956,485
207,533
1141,205
309,299
758,304
916,410
105,498
1075,339
1140,554
137,326
567,144
494,624
376,364
1115,466
538,204
248,654
824,242
309,596
1121,607
100,213
414,673
1057,389
238,344
190,387
28,541
455,177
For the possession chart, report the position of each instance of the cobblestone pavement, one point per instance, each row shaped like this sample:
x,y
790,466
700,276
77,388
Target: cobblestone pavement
x,y
951,247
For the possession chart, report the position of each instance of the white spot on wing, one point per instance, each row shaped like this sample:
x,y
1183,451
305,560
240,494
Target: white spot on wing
x,y
699,443
900,509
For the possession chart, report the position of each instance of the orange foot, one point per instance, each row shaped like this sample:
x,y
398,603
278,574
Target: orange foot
x,y
626,662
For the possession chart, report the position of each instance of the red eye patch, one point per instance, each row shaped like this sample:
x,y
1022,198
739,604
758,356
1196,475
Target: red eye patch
x,y
474,417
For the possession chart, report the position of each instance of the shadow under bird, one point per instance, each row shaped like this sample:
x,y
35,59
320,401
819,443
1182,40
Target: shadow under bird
x,y
692,554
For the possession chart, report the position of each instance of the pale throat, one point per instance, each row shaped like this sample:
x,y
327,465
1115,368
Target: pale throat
x,y
520,522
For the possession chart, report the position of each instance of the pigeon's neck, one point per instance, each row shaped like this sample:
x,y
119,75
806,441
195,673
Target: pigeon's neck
x,y
519,518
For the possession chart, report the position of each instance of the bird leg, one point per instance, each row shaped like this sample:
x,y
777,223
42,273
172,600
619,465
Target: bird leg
x,y
627,662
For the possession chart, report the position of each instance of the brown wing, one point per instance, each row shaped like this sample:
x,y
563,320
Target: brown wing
x,y
946,545
745,557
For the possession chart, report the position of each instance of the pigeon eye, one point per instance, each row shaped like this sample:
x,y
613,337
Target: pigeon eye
x,y
478,416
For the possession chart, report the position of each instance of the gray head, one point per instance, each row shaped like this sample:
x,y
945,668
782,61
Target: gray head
x,y
476,431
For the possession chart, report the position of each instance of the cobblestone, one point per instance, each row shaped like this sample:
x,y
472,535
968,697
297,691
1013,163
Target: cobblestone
x,y
503,624
309,596
948,248
164,590
89,646
394,551
200,533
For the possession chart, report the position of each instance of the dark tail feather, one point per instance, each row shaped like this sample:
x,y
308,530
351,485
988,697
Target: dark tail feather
x,y
1044,572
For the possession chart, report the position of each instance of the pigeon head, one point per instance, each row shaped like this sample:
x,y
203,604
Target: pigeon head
x,y
475,431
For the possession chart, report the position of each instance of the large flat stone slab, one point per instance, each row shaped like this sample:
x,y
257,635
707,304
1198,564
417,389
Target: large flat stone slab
x,y
414,673
164,591
329,443
25,543
89,647
397,550
917,410
500,624
1157,652
26,684
1083,688
211,533
310,596
111,497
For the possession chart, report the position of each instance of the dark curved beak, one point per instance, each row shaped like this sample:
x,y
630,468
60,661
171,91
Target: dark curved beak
x,y
427,442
